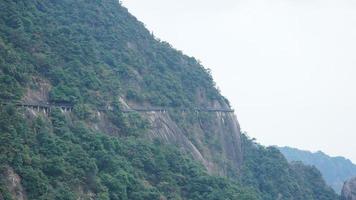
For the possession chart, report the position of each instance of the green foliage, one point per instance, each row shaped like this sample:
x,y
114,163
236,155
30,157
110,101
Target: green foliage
x,y
10,89
64,94
93,51
266,169
312,179
83,111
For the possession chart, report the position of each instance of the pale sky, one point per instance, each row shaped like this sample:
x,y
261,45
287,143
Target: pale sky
x,y
288,67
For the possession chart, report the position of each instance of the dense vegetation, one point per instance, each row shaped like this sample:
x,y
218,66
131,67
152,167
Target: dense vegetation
x,y
90,53
266,168
93,51
335,170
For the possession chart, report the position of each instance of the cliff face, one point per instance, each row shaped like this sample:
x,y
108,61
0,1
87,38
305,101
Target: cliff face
x,y
215,142
349,190
211,137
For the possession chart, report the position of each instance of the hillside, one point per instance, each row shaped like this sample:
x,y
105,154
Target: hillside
x,y
335,170
93,106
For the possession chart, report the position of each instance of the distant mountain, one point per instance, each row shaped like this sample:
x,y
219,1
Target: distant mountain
x,y
335,170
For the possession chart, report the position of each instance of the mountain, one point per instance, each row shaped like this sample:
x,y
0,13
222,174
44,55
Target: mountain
x,y
93,106
335,170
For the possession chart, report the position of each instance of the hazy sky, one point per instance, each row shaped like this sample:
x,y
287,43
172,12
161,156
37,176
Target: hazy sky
x,y
288,67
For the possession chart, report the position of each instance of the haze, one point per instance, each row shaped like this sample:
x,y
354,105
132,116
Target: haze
x,y
287,66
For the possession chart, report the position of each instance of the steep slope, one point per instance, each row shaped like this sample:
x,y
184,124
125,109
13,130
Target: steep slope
x,y
349,190
94,107
335,170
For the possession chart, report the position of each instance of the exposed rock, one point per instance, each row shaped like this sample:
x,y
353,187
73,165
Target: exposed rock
x,y
13,184
84,194
37,93
165,128
222,131
349,190
102,123
212,138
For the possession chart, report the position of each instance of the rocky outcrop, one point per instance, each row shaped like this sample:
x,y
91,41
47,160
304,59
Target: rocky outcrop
x,y
83,194
349,190
38,92
212,138
13,184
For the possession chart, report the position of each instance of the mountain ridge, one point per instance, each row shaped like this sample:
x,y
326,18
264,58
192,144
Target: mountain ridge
x,y
335,169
